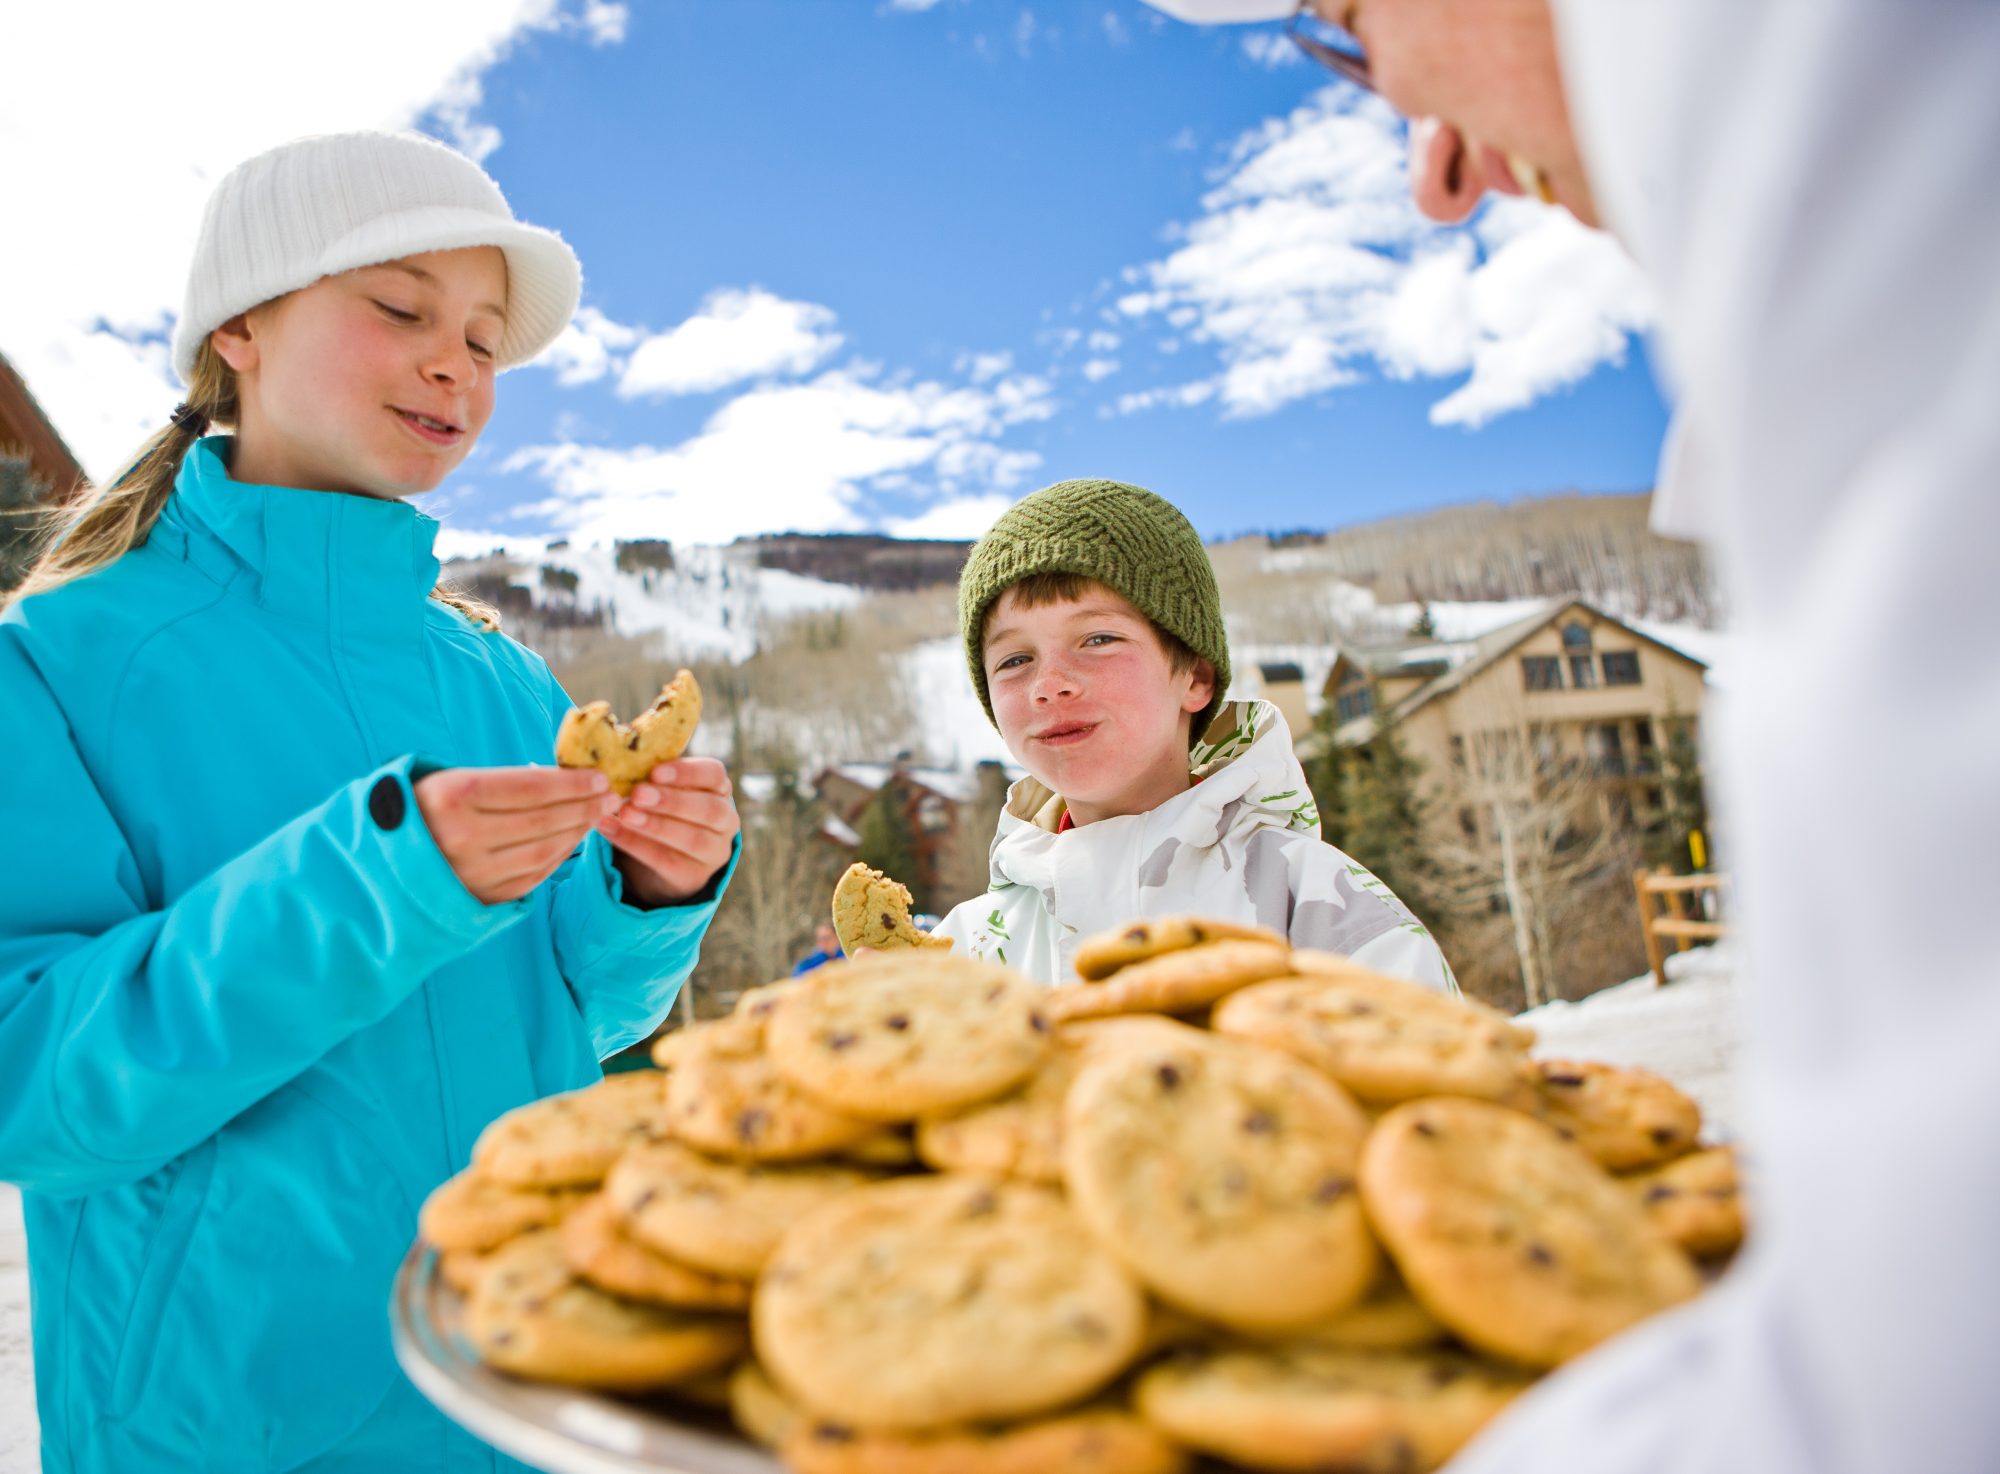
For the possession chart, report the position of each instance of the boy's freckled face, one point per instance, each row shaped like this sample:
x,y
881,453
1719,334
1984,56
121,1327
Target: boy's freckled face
x,y
1088,701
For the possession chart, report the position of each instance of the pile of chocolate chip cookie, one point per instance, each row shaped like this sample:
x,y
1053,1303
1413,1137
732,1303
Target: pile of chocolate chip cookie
x,y
1218,1197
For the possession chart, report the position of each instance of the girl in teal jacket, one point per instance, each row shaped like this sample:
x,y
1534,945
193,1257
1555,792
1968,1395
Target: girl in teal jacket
x,y
286,916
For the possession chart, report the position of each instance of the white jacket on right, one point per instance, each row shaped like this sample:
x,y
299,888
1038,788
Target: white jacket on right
x,y
1241,845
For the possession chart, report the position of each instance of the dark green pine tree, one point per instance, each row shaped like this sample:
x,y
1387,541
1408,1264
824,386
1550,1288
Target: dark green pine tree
x,y
21,509
1683,803
1424,627
1383,820
1324,776
889,842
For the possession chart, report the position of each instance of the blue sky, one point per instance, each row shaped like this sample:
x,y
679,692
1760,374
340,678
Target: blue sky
x,y
855,264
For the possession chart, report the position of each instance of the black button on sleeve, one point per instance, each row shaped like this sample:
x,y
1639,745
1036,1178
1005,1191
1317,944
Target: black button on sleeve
x,y
385,803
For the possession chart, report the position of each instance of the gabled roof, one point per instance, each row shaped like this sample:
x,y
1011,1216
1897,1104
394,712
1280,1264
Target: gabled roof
x,y
1487,651
24,425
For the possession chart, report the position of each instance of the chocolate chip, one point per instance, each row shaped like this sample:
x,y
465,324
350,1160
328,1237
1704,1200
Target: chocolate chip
x,y
502,1338
750,1123
532,1304
1358,1010
639,1203
981,1204
1444,1373
1424,1128
1333,1189
888,921
897,1021
1170,1078
1540,1254
842,1040
1664,1135
1136,934
1260,1123
1566,1081
1039,1024
995,991
1197,934
1402,1456
832,1433
1089,1326
1660,1192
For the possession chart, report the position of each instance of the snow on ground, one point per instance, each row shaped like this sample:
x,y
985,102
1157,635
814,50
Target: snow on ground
x,y
1686,1031
20,1441
714,601
952,730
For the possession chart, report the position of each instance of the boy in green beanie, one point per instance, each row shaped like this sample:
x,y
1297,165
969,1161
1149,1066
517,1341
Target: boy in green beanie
x,y
1093,629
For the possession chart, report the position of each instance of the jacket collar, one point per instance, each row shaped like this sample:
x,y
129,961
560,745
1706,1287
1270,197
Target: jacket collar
x,y
310,551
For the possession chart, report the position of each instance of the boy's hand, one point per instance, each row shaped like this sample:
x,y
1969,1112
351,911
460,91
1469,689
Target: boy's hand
x,y
505,830
675,832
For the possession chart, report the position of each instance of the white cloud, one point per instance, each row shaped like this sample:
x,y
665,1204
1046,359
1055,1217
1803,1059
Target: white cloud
x,y
1271,49
604,22
1102,341
1183,142
800,456
1114,29
126,180
1099,368
588,349
738,334
912,5
1310,264
466,542
967,517
979,367
1178,396
1025,27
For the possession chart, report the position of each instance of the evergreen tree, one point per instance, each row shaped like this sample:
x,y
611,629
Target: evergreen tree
x,y
1324,776
21,493
1383,817
1424,627
1683,806
889,841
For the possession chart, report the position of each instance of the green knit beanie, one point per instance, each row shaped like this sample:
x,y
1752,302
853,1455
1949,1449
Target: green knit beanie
x,y
1124,537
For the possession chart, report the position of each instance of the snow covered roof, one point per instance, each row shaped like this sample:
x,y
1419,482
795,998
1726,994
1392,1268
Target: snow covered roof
x,y
840,832
958,785
1484,651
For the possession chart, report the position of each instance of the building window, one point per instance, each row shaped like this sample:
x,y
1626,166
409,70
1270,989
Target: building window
x,y
933,814
1542,672
1582,672
1607,749
1457,751
1355,698
1576,637
1621,667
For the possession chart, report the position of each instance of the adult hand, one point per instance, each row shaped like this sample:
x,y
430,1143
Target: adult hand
x,y
505,830
675,832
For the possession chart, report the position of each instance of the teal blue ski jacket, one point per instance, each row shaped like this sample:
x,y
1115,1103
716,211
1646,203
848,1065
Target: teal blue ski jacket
x,y
248,1015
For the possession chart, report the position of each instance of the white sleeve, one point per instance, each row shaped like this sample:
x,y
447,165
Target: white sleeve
x,y
1812,186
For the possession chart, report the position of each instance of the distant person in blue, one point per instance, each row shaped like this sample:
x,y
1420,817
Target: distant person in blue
x,y
826,948
290,912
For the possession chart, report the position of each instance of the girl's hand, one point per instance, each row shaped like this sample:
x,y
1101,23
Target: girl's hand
x,y
675,832
505,830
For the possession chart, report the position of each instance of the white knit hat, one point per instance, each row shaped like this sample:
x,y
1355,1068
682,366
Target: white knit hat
x,y
1225,12
319,206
